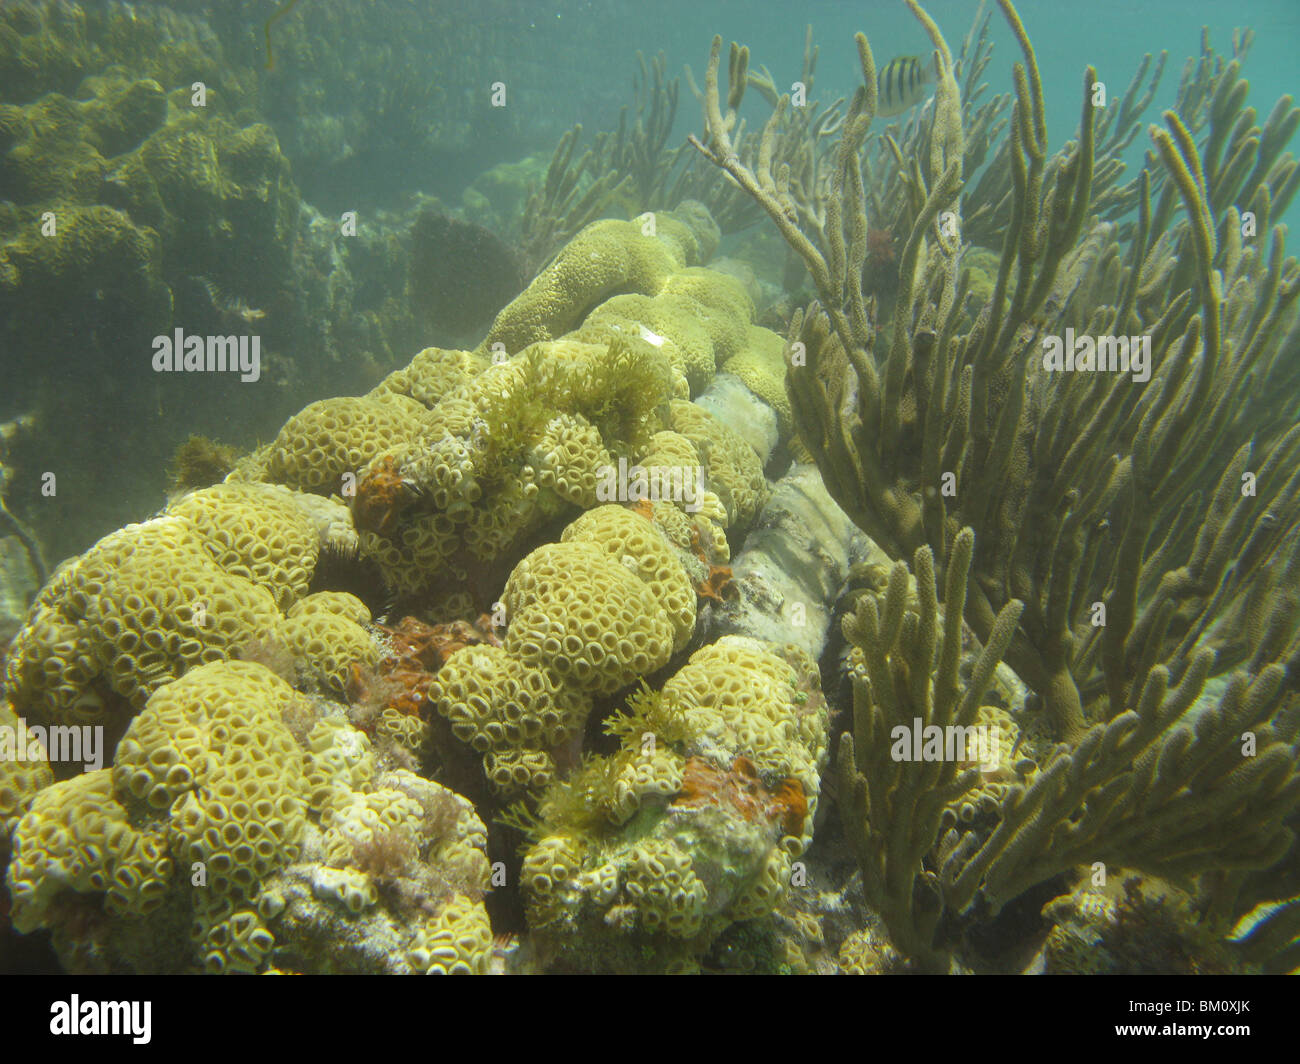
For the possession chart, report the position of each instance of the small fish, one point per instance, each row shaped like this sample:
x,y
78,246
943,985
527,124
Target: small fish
x,y
228,305
902,84
505,949
237,308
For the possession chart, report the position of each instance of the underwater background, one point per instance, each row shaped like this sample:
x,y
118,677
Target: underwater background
x,y
451,521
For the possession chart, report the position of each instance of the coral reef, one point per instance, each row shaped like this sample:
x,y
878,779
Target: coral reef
x,y
144,187
459,457
578,576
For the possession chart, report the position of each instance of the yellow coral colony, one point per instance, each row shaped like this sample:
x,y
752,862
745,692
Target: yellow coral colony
x,y
695,822
450,464
214,810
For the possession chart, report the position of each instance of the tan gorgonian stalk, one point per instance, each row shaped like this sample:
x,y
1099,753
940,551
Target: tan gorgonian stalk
x,y
1150,527
954,422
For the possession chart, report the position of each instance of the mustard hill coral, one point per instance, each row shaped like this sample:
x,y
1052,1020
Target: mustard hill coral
x,y
640,546
581,614
77,836
735,472
136,610
511,713
331,437
276,852
586,616
193,586
20,778
694,824
508,448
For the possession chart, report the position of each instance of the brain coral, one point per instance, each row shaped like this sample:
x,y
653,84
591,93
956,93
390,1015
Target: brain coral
x,y
737,698
325,631
586,616
605,258
674,323
459,458
391,876
568,458
211,749
761,365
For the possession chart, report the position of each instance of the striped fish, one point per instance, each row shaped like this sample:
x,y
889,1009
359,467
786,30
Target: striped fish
x,y
902,84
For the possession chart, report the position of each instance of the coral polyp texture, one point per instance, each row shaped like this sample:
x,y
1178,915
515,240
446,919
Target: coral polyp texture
x,y
276,847
639,546
336,436
586,617
577,611
135,611
193,586
646,856
20,778
454,461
